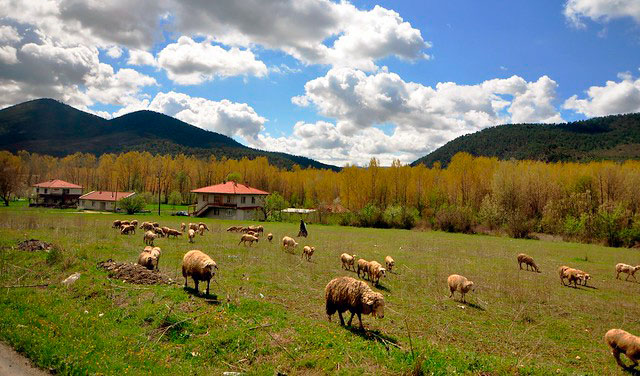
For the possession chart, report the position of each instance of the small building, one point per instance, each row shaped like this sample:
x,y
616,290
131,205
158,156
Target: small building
x,y
56,193
228,200
102,200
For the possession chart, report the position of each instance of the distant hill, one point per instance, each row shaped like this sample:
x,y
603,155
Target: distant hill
x,y
615,137
47,126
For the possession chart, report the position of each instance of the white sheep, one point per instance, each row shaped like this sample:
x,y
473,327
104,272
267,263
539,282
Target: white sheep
x,y
459,283
149,237
629,270
622,342
389,262
348,294
192,235
289,243
246,238
308,252
348,261
199,266
269,237
376,271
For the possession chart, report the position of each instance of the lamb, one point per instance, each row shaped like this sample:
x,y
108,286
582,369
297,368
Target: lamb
x,y
625,343
165,230
203,225
149,237
629,270
192,235
193,226
158,231
583,277
308,252
128,229
389,262
183,227
561,273
269,237
572,275
248,238
459,283
288,243
527,260
134,223
348,294
376,271
201,230
146,226
174,233
348,261
116,223
363,265
199,266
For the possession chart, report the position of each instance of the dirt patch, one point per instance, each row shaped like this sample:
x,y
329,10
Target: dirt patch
x,y
33,245
134,273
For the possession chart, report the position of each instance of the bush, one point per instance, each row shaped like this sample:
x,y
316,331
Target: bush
x,y
518,225
54,256
370,216
132,204
609,224
451,218
491,214
396,216
273,204
175,198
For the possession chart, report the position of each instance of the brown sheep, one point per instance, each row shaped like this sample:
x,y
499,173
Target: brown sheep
x,y
191,234
308,252
376,271
146,226
134,223
622,342
158,231
234,229
149,237
193,226
126,223
348,294
174,233
459,283
165,230
561,273
147,260
269,237
203,225
199,266
155,224
127,229
288,243
527,260
248,238
259,229
116,223
389,263
348,261
183,227
363,266
201,230
573,275
629,270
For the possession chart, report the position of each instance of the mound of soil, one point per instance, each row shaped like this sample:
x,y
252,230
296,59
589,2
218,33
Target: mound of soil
x,y
32,245
134,273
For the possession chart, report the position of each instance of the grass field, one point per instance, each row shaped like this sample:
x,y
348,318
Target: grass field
x,y
268,310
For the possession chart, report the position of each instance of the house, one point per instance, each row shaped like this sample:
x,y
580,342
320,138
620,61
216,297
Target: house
x,y
56,192
228,200
102,200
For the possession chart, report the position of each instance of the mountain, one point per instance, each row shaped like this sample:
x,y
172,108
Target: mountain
x,y
47,126
615,137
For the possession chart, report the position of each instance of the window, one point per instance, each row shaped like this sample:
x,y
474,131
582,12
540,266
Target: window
x,y
253,200
216,211
228,199
243,200
65,191
45,190
230,213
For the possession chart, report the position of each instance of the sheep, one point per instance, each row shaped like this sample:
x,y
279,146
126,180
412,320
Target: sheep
x,y
147,260
269,237
376,271
572,275
201,230
203,225
174,233
583,277
155,224
192,235
199,266
308,252
193,226
149,237
527,260
252,233
459,283
363,265
146,226
128,229
561,273
234,229
625,343
348,294
183,227
260,229
248,238
389,263
158,231
134,223
348,261
288,243
245,229
124,223
116,223
165,230
629,270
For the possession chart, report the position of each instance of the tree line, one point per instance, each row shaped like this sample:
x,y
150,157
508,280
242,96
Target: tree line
x,y
595,201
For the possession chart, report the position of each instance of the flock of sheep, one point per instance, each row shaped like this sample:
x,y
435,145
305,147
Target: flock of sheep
x,y
350,294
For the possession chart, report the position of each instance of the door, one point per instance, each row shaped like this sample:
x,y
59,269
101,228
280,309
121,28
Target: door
x,y
102,206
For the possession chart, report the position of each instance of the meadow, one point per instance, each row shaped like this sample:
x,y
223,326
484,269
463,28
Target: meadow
x,y
265,313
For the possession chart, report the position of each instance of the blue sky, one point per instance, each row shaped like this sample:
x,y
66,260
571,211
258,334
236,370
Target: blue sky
x,y
338,82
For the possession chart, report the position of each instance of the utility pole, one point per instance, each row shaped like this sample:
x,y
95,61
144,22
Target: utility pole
x,y
158,194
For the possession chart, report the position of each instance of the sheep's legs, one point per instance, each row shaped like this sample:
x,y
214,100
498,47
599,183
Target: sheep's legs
x,y
360,319
350,319
617,275
196,283
208,282
341,319
185,282
616,355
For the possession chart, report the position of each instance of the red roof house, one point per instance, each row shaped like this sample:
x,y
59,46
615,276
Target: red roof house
x,y
56,193
229,200
102,200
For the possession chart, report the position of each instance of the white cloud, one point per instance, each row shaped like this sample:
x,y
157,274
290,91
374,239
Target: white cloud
x,y
613,98
601,10
119,88
226,117
188,62
9,34
8,55
114,52
140,57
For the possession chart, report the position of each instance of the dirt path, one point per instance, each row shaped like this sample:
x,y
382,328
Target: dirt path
x,y
14,364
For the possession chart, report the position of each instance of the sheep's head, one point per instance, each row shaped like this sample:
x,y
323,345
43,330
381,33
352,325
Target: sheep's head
x,y
373,304
636,268
468,285
383,272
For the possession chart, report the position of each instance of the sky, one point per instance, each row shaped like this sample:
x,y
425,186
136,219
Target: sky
x,y
339,82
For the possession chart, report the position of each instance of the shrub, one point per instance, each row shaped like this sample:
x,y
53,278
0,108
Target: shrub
x,y
273,204
609,224
397,216
132,204
54,256
491,214
452,218
518,225
370,216
175,198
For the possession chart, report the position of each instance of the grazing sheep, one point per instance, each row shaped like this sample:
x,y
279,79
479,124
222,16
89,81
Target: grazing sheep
x,y
199,266
202,224
348,294
165,230
134,223
573,275
248,238
183,227
625,343
561,273
252,233
269,237
146,226
245,229
158,231
149,237
459,283
193,226
288,243
348,261
389,262
527,260
376,271
308,252
201,230
116,223
260,229
363,265
234,228
147,260
192,235
156,224
128,229
124,223
174,233
629,270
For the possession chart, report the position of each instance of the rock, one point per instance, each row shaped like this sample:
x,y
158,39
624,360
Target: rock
x,y
71,279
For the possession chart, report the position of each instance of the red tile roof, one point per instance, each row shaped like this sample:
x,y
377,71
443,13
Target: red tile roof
x,y
56,183
230,188
105,196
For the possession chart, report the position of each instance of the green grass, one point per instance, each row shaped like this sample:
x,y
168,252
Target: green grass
x,y
269,312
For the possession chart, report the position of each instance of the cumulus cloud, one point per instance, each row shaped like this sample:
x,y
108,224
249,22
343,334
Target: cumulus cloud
x,y
9,34
601,10
188,62
140,57
8,55
613,98
114,52
226,117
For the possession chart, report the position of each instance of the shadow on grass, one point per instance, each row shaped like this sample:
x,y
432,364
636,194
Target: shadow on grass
x,y
471,305
382,287
632,371
209,298
373,335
